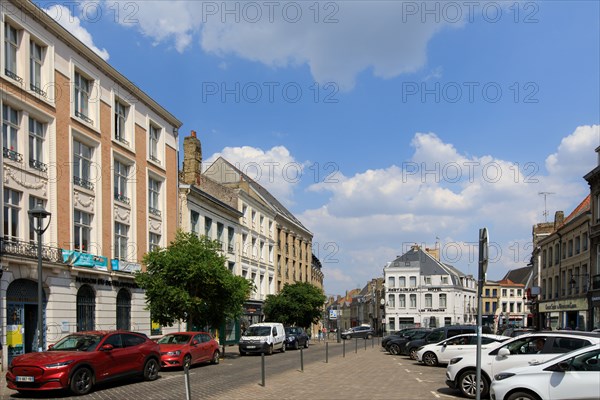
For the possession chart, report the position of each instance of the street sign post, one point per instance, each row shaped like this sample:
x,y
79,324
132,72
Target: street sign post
x,y
483,265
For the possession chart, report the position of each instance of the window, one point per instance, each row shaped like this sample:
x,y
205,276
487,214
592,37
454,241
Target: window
x,y
12,208
153,143
262,250
487,307
82,228
428,300
10,133
402,301
570,248
518,307
444,280
11,40
34,201
413,301
550,251
392,301
36,145
494,292
194,219
556,254
124,310
544,259
564,250
503,307
584,241
391,282
402,281
443,300
121,235
512,292
230,233
82,162
428,280
577,245
244,243
154,241
82,89
487,292
519,293
36,57
413,281
120,180
120,122
207,227
153,200
511,307
86,308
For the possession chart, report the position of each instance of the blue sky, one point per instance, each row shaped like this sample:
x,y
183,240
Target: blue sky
x,y
416,120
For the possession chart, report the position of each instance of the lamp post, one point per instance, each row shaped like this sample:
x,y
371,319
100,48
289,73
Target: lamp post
x,y
39,213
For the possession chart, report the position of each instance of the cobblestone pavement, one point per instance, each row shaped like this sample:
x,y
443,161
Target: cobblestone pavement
x,y
368,373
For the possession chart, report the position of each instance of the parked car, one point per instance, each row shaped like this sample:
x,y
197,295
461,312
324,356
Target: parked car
x,y
437,335
516,352
569,376
80,360
363,331
184,349
296,337
264,337
396,334
512,332
396,345
442,352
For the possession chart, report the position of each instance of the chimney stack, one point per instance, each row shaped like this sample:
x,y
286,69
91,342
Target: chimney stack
x,y
192,159
559,218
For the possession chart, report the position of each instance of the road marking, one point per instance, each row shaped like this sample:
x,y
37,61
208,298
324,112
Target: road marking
x,y
407,370
435,394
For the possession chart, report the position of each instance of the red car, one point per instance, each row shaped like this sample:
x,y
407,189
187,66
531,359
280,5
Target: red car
x,y
80,360
183,349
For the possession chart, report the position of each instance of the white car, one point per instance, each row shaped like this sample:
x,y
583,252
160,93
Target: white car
x,y
442,352
519,351
571,376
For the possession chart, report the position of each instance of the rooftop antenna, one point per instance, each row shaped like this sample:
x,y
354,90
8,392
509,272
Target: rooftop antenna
x,y
545,194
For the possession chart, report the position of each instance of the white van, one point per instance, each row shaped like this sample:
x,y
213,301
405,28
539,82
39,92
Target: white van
x,y
264,337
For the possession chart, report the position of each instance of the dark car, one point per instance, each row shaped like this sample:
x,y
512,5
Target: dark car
x,y
295,337
363,331
183,349
393,335
439,334
80,360
396,344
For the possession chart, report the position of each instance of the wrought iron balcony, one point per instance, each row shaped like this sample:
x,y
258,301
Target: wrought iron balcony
x,y
121,198
12,75
154,211
121,139
12,155
84,117
40,166
83,183
154,159
36,89
25,249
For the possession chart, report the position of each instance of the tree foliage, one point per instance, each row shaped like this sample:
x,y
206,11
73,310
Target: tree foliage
x,y
300,304
188,281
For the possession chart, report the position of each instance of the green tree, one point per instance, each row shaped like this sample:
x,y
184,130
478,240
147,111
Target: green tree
x,y
188,281
300,304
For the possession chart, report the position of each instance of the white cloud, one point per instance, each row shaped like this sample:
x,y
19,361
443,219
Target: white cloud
x,y
573,156
72,23
337,40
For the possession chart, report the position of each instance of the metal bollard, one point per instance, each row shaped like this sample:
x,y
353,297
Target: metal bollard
x,y
373,342
262,367
344,348
365,343
356,345
301,359
326,352
188,392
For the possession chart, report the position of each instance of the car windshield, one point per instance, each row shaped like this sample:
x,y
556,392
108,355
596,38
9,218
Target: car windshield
x,y
292,331
174,339
258,331
77,343
420,334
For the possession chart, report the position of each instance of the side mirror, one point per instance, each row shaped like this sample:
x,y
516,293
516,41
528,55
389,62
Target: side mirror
x,y
50,346
444,344
195,342
106,347
503,352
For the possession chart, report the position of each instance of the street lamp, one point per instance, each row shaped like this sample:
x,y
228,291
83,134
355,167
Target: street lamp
x,y
573,282
39,213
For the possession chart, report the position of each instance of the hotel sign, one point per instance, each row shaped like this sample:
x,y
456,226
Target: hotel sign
x,y
564,305
402,289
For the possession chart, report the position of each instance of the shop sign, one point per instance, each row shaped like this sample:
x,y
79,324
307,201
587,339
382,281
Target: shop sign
x,y
79,259
432,310
402,289
105,282
564,305
125,266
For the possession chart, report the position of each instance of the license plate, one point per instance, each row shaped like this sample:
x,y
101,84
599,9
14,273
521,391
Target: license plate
x,y
24,378
251,347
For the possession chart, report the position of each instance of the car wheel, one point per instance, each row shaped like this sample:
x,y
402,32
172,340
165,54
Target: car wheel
x,y
348,337
413,353
187,361
522,396
151,370
283,347
82,381
270,350
430,359
216,357
369,336
394,349
306,344
467,384
296,345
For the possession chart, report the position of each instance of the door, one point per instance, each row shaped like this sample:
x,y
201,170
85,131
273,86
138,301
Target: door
x,y
582,374
453,347
522,352
199,350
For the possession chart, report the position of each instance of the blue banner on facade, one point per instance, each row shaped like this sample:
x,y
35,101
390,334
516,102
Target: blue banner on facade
x,y
124,266
78,259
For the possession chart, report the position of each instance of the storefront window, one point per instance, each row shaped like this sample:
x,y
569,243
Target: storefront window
x,y
86,308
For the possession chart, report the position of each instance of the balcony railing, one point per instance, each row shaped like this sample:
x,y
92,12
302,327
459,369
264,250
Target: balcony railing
x,y
121,198
83,183
36,89
21,248
40,166
154,159
12,155
84,117
154,211
12,75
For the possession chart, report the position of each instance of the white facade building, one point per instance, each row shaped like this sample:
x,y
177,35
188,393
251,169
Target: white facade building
x,y
422,291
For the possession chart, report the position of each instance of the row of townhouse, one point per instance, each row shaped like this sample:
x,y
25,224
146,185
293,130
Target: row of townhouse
x,y
566,264
101,157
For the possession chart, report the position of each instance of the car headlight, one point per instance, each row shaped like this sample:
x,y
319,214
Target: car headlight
x,y
59,364
503,375
174,353
455,360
